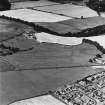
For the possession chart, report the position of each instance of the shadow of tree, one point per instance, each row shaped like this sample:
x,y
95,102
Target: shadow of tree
x,y
9,50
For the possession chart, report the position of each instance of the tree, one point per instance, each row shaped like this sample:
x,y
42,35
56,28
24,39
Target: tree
x,y
97,5
4,5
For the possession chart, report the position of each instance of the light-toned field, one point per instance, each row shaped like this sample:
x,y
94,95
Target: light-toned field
x,y
27,4
36,16
41,100
69,10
